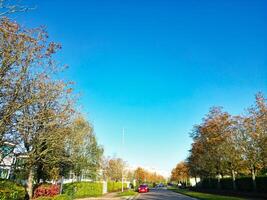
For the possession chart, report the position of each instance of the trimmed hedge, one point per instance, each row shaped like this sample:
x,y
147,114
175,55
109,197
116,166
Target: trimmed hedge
x,y
243,184
261,183
10,190
209,183
115,186
44,198
83,189
227,184
57,197
62,197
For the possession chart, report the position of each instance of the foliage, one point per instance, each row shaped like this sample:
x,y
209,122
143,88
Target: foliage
x,y
46,190
6,8
11,191
115,186
62,197
245,138
180,173
84,151
114,169
57,197
44,198
145,176
83,189
35,108
242,184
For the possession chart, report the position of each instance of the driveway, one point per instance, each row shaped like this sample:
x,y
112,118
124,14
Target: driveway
x,y
157,194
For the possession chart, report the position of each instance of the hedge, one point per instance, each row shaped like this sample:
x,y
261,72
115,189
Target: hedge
x,y
57,197
115,186
83,189
227,183
62,197
10,190
261,183
243,184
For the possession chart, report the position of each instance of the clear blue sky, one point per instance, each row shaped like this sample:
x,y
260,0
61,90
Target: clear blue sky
x,y
155,67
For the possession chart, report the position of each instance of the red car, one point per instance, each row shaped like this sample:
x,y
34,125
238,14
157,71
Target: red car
x,y
143,188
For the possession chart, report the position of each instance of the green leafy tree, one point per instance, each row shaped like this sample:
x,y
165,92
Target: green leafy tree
x,y
84,151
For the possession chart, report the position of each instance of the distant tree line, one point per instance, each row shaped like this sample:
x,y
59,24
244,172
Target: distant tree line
x,y
116,168
144,176
230,146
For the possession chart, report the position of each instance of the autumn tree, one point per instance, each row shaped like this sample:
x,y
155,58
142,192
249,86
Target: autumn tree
x,y
253,137
230,145
35,108
180,173
10,7
144,176
114,169
140,175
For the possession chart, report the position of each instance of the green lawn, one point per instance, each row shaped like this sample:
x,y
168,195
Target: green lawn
x,y
127,193
205,196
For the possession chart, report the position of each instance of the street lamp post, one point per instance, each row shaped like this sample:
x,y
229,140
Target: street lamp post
x,y
122,143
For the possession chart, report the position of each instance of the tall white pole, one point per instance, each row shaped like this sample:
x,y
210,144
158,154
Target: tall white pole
x,y
122,143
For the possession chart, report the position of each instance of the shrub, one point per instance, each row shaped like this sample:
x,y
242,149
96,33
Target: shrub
x,y
209,183
227,183
115,186
261,183
244,184
10,190
44,198
46,190
62,197
83,189
57,197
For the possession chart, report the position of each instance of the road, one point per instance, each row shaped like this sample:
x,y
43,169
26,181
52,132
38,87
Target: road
x,y
157,194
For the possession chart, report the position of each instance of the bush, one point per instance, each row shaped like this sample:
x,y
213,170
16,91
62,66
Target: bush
x,y
83,189
209,183
62,197
46,190
261,183
57,197
44,198
11,191
115,186
244,184
227,184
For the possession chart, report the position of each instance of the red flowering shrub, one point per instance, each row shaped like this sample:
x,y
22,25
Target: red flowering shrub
x,y
46,190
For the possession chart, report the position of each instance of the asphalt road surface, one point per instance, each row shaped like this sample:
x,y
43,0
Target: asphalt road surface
x,y
157,194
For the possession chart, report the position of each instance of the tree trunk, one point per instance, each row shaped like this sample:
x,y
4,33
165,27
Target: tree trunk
x,y
196,180
253,173
219,181
30,183
233,177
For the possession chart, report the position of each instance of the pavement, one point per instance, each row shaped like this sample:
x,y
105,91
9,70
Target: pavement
x,y
164,194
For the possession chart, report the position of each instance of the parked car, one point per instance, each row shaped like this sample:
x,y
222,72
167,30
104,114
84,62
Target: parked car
x,y
143,188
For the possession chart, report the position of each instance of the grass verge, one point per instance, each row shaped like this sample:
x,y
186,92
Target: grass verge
x,y
127,193
204,196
